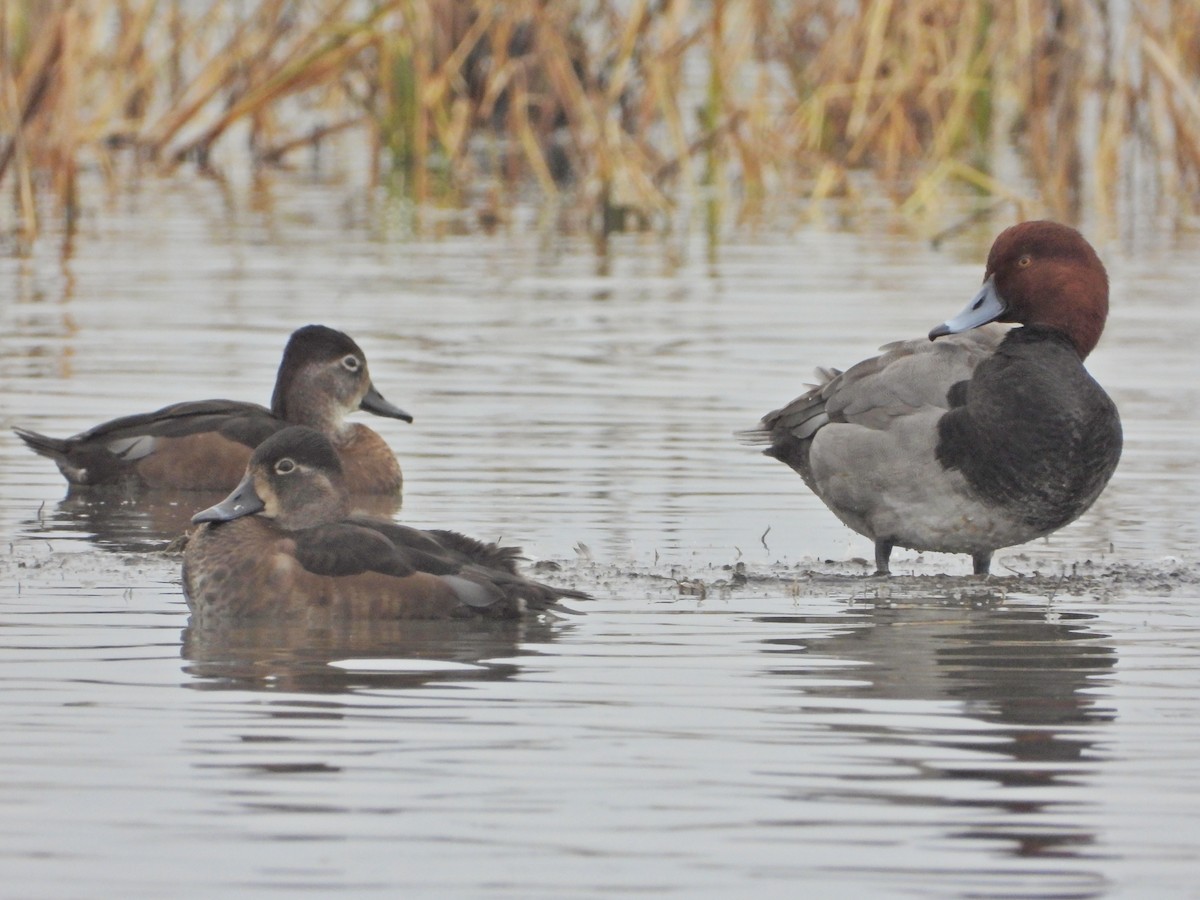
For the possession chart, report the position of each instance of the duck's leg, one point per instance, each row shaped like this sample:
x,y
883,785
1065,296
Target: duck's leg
x,y
982,562
883,552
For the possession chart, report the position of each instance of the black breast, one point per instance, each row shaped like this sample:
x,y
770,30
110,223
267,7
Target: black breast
x,y
1036,434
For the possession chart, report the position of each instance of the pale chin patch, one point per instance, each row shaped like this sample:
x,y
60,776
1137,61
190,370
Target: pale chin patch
x,y
270,500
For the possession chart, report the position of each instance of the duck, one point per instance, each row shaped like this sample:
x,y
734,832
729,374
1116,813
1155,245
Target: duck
x,y
285,545
204,445
980,436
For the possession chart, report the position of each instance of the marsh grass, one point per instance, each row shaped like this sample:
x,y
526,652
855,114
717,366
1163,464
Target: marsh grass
x,y
630,113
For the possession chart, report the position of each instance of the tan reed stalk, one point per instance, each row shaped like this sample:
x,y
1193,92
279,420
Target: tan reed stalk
x,y
638,112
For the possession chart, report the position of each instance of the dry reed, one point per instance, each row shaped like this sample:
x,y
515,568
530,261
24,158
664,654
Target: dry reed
x,y
634,112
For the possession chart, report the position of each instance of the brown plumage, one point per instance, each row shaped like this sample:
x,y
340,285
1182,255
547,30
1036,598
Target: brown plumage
x,y
285,545
205,444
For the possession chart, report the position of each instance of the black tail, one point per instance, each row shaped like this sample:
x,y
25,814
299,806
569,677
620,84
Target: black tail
x,y
54,448
539,596
562,593
757,435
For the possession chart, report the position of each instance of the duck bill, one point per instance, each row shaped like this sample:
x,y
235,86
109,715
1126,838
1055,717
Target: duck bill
x,y
373,402
244,501
986,306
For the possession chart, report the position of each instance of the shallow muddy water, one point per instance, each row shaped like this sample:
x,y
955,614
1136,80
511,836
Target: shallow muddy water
x,y
738,710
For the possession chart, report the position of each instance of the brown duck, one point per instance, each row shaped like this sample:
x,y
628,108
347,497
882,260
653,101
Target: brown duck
x,y
284,544
205,444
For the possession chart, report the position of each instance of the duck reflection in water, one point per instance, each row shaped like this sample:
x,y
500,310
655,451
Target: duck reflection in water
x,y
1023,673
297,657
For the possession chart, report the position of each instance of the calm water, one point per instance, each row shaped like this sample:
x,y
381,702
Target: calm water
x,y
821,732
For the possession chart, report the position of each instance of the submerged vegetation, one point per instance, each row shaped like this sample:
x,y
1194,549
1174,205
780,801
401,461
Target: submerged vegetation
x,y
636,112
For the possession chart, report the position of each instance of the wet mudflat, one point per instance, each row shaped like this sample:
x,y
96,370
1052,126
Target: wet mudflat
x,y
740,707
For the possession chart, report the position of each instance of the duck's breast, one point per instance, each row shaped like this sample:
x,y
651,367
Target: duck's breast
x,y
369,463
240,569
1035,434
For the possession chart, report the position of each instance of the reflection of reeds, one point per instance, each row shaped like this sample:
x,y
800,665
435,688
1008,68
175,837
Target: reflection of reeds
x,y
636,109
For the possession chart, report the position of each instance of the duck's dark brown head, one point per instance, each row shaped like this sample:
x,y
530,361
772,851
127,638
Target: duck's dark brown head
x,y
294,477
322,378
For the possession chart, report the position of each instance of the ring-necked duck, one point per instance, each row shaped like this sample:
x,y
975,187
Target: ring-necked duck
x,y
205,444
284,544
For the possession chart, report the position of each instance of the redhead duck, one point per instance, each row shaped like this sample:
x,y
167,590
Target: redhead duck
x,y
205,444
980,437
284,545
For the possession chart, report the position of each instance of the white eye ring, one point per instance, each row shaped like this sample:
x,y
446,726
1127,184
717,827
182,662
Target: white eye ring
x,y
351,363
285,466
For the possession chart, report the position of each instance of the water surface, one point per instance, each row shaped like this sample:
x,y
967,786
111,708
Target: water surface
x,y
737,710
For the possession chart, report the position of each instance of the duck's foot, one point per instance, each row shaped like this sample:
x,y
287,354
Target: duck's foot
x,y
883,552
982,562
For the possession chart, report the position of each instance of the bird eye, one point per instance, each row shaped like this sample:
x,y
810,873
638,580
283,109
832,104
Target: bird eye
x,y
284,466
1025,261
351,363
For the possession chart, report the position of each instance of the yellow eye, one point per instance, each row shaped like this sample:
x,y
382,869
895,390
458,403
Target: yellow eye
x,y
1025,261
284,466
